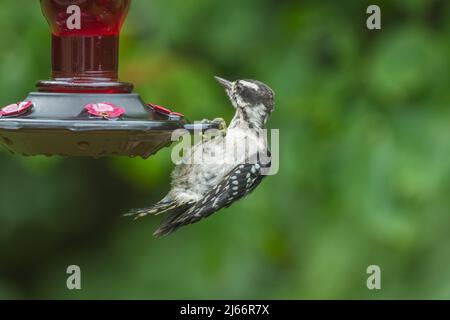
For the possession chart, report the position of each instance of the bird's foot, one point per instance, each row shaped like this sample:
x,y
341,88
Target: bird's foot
x,y
222,125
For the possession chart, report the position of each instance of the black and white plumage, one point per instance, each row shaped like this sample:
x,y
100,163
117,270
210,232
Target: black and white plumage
x,y
201,189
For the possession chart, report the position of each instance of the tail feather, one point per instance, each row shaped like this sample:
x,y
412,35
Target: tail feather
x,y
157,209
172,209
168,226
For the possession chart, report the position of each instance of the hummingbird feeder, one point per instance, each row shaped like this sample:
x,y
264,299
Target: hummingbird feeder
x,y
84,110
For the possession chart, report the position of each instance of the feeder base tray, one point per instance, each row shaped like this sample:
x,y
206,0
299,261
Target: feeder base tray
x,y
94,144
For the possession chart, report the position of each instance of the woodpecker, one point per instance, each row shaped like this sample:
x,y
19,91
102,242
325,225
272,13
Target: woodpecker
x,y
224,175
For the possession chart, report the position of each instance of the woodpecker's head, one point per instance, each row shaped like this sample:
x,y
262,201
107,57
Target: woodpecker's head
x,y
253,100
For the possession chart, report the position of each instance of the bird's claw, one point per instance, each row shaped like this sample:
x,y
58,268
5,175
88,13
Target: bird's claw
x,y
222,125
221,122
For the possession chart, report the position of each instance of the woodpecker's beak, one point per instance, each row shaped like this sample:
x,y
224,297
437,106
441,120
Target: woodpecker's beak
x,y
228,85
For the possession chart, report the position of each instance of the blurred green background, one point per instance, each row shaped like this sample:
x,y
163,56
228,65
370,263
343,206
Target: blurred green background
x,y
364,178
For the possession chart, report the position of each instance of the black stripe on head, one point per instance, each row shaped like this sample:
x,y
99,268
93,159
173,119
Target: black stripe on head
x,y
254,92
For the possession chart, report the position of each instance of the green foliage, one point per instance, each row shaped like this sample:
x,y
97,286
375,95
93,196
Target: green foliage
x,y
364,177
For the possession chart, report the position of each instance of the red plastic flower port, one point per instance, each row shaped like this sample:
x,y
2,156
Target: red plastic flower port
x,y
104,110
160,109
164,110
16,109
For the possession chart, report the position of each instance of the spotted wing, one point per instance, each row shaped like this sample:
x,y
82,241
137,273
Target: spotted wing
x,y
242,180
